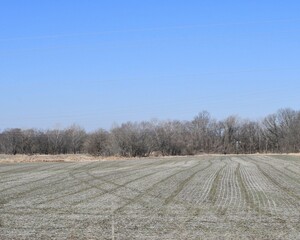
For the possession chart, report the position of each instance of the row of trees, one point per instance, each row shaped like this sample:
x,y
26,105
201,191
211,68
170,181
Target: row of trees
x,y
279,132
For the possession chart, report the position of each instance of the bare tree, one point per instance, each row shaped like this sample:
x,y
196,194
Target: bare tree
x,y
12,141
55,141
75,136
201,132
278,132
130,139
250,137
230,135
98,143
272,133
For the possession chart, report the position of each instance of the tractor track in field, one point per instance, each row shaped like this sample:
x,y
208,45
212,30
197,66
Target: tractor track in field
x,y
118,186
41,185
191,208
244,191
212,195
285,175
80,169
284,196
206,184
34,181
127,170
183,184
137,198
21,169
277,182
201,197
13,176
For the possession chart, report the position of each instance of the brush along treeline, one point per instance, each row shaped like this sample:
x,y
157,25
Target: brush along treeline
x,y
276,133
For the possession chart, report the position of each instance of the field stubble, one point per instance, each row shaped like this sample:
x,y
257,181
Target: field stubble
x,y
207,197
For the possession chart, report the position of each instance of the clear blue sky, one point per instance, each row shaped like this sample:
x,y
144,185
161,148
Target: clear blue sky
x,y
96,63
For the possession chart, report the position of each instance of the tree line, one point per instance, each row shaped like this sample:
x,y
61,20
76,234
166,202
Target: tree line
x,y
276,133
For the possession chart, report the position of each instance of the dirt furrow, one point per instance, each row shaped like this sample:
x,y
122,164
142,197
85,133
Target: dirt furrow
x,y
203,197
294,177
183,184
122,173
277,183
279,197
153,186
212,195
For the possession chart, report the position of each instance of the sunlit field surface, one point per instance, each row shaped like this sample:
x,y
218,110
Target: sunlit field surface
x,y
207,197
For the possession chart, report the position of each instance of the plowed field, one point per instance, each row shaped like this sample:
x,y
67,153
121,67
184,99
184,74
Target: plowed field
x,y
209,197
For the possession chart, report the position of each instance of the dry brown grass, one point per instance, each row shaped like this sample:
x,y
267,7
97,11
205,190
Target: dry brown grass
x,y
53,158
19,158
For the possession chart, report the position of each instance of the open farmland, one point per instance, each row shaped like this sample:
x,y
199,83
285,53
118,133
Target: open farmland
x,y
208,197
